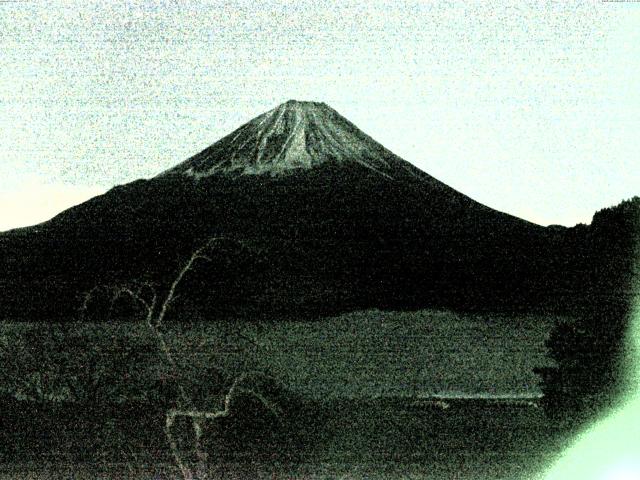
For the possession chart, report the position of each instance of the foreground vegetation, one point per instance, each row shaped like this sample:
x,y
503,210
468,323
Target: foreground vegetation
x,y
341,439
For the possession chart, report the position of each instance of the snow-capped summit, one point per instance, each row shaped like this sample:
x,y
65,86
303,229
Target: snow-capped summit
x,y
294,135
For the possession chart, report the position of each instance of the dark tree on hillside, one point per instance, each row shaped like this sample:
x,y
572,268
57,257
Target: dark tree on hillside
x,y
590,349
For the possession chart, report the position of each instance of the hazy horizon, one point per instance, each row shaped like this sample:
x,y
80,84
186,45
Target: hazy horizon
x,y
530,109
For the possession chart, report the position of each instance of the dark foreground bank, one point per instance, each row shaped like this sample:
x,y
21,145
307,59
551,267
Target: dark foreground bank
x,y
391,438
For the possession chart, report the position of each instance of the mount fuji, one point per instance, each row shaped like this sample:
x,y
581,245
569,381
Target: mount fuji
x,y
329,219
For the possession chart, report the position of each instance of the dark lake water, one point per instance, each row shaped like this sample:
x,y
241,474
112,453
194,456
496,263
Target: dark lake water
x,y
373,376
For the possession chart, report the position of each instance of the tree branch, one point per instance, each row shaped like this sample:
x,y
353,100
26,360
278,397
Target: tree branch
x,y
171,296
155,313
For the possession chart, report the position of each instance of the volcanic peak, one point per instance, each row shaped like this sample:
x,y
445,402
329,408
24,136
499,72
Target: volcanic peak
x,y
294,135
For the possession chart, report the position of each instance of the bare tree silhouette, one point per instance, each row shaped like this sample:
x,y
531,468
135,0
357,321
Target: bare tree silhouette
x,y
154,304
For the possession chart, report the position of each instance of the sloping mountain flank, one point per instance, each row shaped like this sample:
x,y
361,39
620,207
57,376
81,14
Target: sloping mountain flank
x,y
317,218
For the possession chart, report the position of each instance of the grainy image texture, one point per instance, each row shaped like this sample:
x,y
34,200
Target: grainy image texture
x,y
208,270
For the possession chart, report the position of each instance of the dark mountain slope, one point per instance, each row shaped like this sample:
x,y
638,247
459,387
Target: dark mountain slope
x,y
330,221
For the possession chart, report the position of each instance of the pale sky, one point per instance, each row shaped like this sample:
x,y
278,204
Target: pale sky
x,y
532,108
